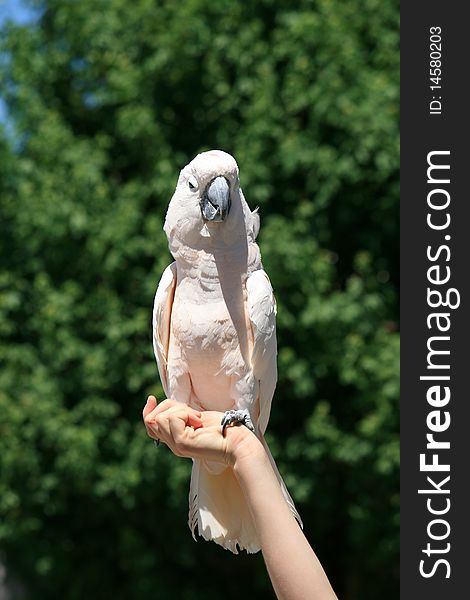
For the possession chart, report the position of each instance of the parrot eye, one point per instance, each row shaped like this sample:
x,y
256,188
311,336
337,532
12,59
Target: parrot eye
x,y
192,183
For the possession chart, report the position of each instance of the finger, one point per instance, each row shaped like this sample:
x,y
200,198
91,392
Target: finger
x,y
168,407
182,436
151,432
162,407
175,420
205,442
177,427
149,406
194,420
187,416
156,410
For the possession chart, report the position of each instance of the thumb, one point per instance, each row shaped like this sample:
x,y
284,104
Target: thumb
x,y
150,405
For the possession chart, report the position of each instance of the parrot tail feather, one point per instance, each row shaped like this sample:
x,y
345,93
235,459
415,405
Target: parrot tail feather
x,y
218,509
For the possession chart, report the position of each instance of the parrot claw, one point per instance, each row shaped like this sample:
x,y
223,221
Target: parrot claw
x,y
241,417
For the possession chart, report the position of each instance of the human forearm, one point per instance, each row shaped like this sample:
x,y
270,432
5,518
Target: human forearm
x,y
294,569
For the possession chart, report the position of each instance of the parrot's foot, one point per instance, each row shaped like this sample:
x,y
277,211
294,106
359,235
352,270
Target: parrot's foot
x,y
241,417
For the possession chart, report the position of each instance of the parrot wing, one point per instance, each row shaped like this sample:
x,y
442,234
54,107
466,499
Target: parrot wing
x,y
262,313
161,321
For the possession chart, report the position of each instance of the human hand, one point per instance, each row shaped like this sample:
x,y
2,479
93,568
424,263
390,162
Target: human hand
x,y
191,433
188,432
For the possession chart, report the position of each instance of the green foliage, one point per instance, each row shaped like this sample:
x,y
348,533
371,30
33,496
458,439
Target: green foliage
x,y
109,99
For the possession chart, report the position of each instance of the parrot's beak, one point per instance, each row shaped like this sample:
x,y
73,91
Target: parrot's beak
x,y
215,203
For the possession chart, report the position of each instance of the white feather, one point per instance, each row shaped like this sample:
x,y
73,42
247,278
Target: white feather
x,y
262,311
161,321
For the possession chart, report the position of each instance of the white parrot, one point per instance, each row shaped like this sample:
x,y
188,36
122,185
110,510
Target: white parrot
x,y
214,332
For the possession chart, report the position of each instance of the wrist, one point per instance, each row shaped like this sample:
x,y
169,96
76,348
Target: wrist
x,y
243,447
